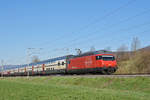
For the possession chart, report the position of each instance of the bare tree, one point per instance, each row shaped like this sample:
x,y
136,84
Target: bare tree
x,y
122,53
35,59
135,44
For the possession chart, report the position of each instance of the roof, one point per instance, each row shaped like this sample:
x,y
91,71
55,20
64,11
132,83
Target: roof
x,y
8,67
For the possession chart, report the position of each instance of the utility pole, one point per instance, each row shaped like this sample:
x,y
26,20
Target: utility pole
x,y
28,62
2,68
28,58
79,52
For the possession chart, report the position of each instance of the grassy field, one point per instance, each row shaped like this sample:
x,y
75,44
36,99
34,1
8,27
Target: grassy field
x,y
74,88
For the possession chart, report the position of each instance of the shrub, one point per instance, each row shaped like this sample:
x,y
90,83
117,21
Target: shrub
x,y
139,62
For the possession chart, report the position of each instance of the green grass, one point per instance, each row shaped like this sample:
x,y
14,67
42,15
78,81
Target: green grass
x,y
75,88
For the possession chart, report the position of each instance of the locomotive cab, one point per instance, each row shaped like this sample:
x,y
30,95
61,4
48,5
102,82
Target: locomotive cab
x,y
107,63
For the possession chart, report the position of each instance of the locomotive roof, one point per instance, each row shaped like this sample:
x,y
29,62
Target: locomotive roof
x,y
93,53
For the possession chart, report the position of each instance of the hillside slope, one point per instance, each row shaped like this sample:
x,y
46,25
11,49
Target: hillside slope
x,y
135,62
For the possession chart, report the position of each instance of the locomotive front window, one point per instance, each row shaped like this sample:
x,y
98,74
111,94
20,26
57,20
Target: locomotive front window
x,y
108,58
98,57
105,58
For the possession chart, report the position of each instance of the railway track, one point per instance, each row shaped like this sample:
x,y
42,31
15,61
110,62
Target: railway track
x,y
97,75
115,75
93,75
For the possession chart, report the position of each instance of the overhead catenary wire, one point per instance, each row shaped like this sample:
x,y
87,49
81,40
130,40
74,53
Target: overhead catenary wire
x,y
93,22
88,37
22,59
102,18
96,40
102,35
97,20
127,29
16,61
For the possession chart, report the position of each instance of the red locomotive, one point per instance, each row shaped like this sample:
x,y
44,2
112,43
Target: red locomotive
x,y
92,62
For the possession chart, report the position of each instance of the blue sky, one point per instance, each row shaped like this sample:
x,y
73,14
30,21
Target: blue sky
x,y
56,25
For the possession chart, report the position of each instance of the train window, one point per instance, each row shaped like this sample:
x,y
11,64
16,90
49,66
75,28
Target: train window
x,y
63,63
108,58
47,68
58,63
98,57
